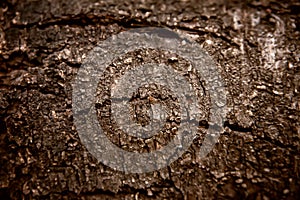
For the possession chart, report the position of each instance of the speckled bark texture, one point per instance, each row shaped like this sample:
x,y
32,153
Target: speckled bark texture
x,y
255,44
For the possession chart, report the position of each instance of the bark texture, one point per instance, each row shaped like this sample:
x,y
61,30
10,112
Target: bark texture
x,y
255,45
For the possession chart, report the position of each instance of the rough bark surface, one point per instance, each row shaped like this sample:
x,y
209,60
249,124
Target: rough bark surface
x,y
255,44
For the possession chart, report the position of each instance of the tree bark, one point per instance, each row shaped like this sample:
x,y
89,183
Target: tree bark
x,y
255,44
